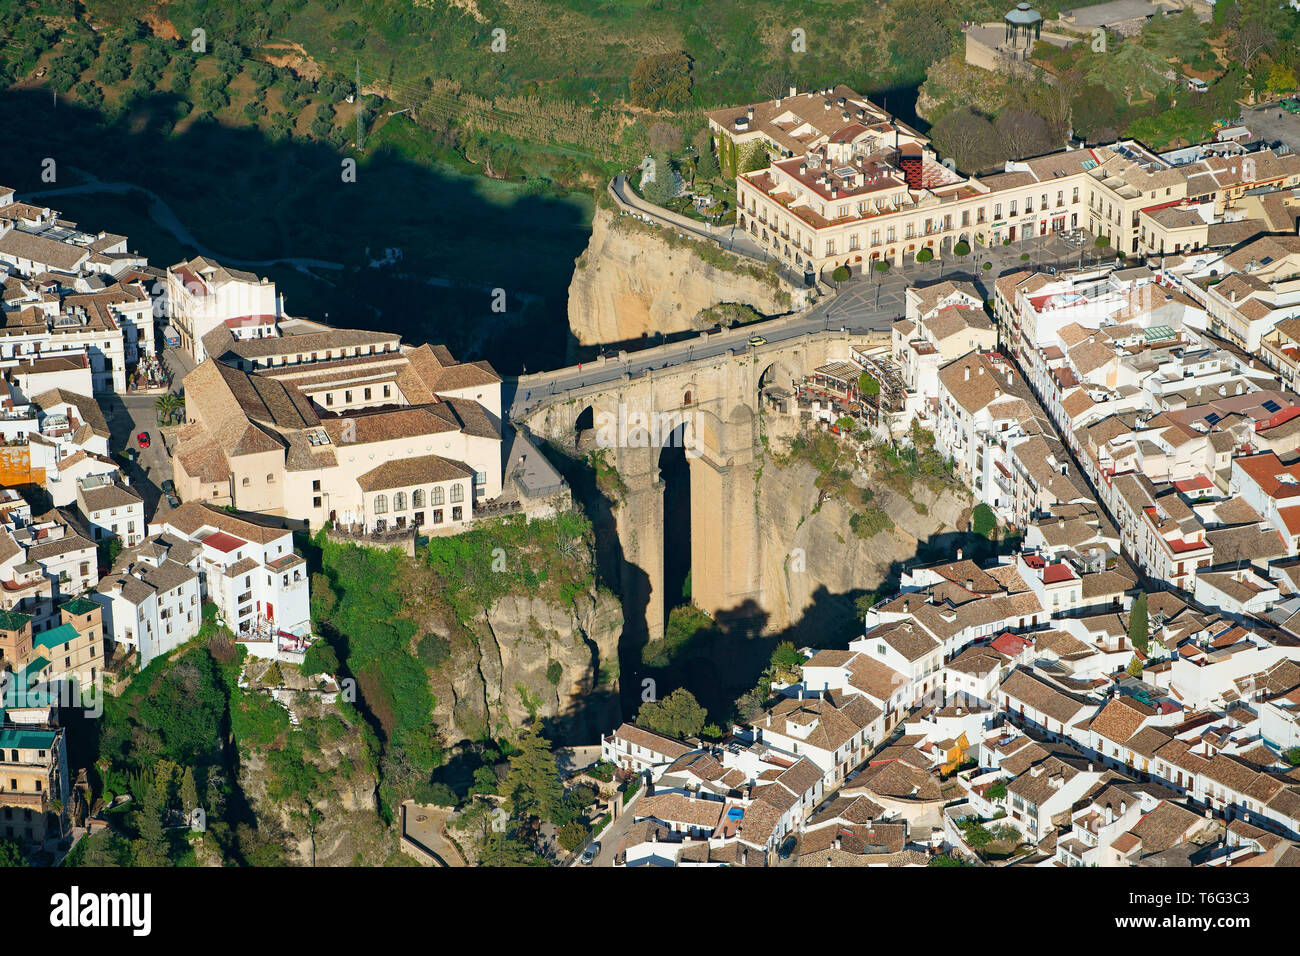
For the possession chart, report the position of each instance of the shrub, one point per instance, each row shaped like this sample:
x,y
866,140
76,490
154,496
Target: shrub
x,y
554,671
987,265
1101,242
961,249
1006,242
867,384
1024,257
882,265
983,521
571,835
997,792
841,274
925,255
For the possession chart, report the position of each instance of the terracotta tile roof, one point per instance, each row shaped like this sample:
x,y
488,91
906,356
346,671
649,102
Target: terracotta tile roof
x,y
406,472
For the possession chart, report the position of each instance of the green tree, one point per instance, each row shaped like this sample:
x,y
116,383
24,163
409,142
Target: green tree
x,y
189,791
11,854
677,715
867,384
706,164
1137,622
787,662
661,81
1135,669
983,521
841,274
662,189
571,835
532,786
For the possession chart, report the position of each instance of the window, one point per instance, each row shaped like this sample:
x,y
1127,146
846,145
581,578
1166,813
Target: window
x,y
399,501
480,478
417,498
437,516
367,394
456,513
381,504
316,502
244,483
387,391
315,485
436,495
457,492
329,398
270,479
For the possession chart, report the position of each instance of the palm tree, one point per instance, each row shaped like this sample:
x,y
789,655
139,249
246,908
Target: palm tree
x,y
167,406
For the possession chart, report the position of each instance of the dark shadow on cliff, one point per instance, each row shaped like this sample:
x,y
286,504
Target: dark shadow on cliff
x,y
443,246
726,657
629,583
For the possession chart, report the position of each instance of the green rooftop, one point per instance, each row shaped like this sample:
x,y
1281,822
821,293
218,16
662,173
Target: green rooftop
x,y
80,605
27,739
13,620
55,636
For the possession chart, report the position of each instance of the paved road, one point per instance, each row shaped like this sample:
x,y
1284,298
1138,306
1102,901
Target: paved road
x,y
867,303
1271,123
128,415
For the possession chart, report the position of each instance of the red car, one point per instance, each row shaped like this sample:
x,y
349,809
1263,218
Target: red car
x,y
143,439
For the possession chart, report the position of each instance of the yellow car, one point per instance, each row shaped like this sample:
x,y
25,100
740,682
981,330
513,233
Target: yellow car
x,y
757,340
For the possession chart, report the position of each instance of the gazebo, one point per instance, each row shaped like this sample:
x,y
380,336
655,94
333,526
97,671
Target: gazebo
x,y
1021,23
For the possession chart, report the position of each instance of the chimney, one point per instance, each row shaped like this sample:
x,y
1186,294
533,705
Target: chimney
x,y
837,843
1123,807
1010,378
979,369
959,710
970,584
966,378
906,603
794,91
769,720
997,393
801,692
959,554
750,112
744,856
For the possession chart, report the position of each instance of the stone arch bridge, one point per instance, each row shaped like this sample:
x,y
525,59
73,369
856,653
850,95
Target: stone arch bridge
x,y
711,406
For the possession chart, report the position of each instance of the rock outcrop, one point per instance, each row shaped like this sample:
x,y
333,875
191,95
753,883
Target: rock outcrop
x,y
634,280
813,561
530,658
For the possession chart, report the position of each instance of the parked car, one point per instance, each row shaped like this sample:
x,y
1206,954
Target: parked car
x,y
589,855
173,501
757,340
1292,105
143,439
169,488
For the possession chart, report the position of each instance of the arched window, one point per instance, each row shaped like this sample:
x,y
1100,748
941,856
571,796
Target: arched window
x,y
417,498
245,483
436,495
270,479
381,504
399,501
457,492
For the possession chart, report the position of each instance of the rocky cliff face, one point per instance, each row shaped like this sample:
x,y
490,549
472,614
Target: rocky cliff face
x,y
634,280
812,558
349,829
533,658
